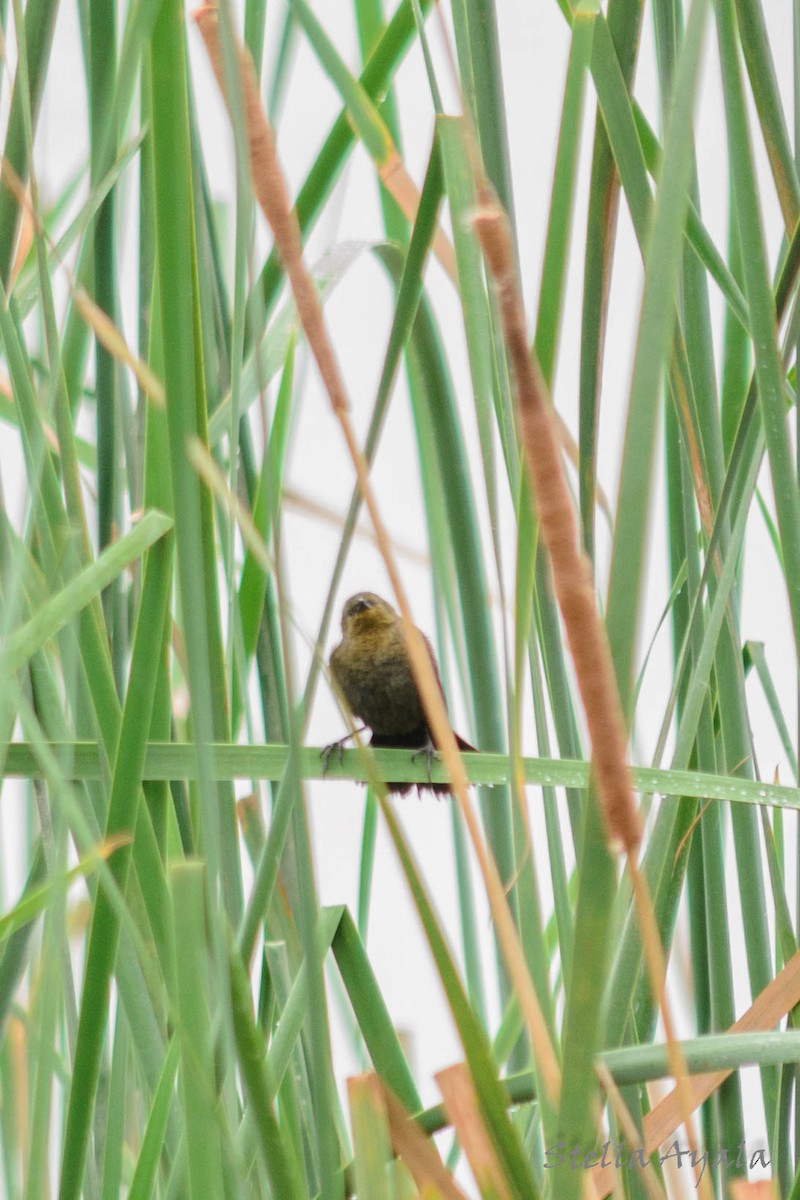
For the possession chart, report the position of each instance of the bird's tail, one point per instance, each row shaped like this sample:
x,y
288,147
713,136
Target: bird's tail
x,y
416,739
463,744
443,789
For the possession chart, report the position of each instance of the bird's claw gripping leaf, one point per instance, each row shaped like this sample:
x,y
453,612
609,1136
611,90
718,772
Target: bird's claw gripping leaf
x,y
327,753
429,754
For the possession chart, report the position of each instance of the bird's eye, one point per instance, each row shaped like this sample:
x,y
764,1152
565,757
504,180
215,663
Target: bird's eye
x,y
360,606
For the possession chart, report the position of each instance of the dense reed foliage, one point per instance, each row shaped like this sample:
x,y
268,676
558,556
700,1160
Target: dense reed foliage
x,y
174,370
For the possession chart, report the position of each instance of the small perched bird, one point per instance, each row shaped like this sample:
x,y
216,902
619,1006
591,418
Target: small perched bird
x,y
372,670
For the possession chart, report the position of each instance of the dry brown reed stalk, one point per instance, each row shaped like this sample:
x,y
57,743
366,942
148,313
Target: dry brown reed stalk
x,y
272,195
392,171
461,1105
417,1151
575,593
753,1189
657,970
629,1130
772,1004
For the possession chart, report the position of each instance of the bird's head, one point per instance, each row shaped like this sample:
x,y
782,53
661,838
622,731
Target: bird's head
x,y
364,613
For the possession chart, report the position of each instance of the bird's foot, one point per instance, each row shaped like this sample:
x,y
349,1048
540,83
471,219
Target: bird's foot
x,y
337,748
327,752
429,754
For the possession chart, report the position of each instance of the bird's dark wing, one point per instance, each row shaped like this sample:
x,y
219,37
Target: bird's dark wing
x,y
434,664
461,742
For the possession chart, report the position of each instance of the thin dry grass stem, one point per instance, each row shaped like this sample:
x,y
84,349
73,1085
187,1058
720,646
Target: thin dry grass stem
x,y
397,181
571,576
313,508
574,590
573,453
392,171
704,502
443,736
656,967
273,197
630,1132
203,462
26,236
687,836
568,443
110,338
98,321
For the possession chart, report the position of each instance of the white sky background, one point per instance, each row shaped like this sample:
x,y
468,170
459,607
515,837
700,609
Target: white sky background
x,y
534,42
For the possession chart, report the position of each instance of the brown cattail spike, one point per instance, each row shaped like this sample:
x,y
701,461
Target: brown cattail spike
x,y
571,575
